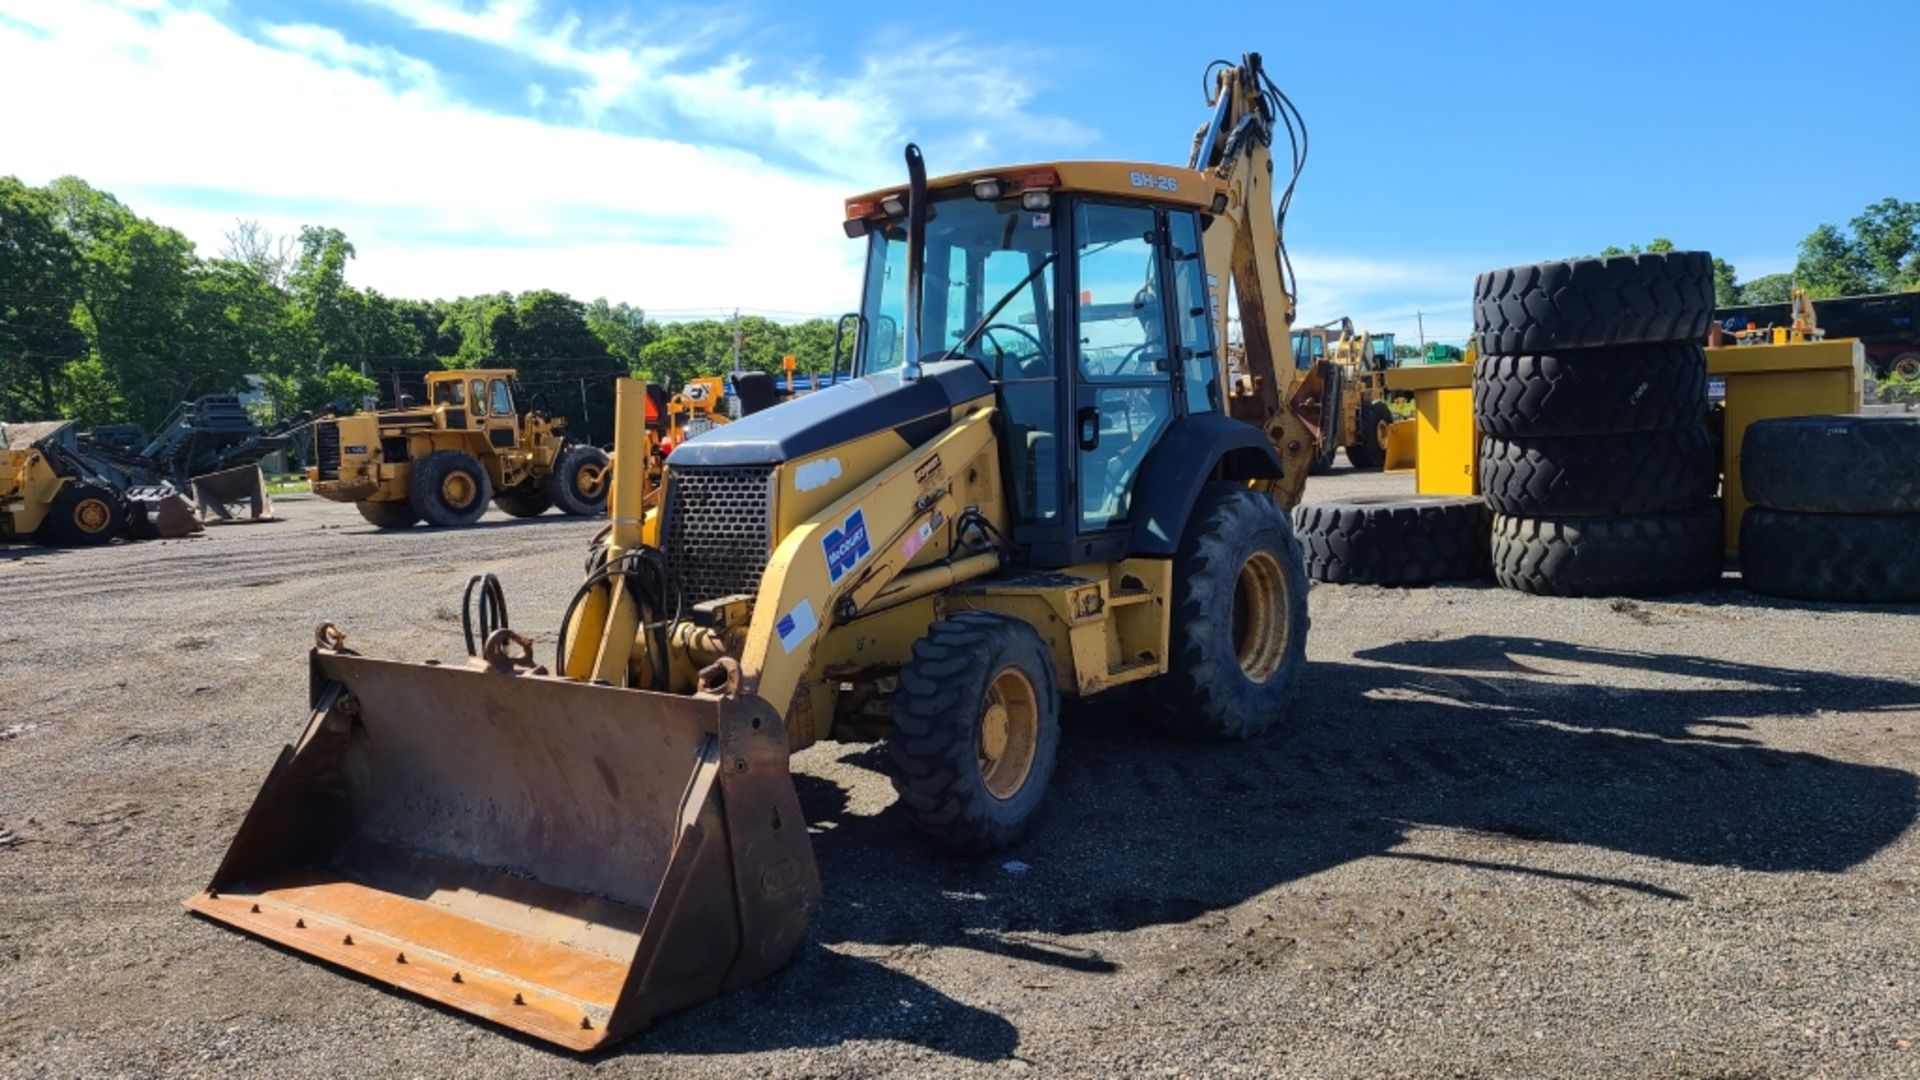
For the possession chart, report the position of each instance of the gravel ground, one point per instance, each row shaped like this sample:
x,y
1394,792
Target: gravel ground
x,y
1513,836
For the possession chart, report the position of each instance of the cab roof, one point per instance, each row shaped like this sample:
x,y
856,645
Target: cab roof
x,y
1140,180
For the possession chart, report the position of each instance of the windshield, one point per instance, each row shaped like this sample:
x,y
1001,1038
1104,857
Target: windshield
x,y
980,255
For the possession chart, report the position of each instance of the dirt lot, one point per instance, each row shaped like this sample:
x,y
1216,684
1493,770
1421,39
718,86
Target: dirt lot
x,y
1512,837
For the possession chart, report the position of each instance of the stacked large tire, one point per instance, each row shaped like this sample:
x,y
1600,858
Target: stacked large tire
x,y
1590,395
1835,508
1396,540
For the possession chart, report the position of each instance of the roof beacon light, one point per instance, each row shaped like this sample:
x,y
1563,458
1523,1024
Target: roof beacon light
x,y
1036,200
986,190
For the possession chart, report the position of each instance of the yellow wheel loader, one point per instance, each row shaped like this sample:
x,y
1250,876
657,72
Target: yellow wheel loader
x,y
1348,367
443,462
1041,482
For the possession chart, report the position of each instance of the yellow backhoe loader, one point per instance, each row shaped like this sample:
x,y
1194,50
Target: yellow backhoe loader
x,y
1040,482
442,462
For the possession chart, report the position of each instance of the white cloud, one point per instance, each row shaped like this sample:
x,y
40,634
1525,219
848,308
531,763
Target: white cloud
x,y
1397,296
442,197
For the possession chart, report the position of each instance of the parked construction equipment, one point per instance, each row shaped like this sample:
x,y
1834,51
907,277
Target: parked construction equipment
x,y
51,492
1347,366
442,462
1041,482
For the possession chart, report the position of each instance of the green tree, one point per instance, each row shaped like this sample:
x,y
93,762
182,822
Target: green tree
x,y
622,328
1832,264
1726,286
1887,241
1771,289
39,286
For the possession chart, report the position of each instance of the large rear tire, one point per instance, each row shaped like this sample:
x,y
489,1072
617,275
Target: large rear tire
x,y
976,729
1239,621
387,515
84,515
581,480
448,488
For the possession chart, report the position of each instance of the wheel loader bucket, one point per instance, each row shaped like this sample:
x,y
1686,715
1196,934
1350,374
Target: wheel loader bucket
x,y
565,859
159,512
232,495
1401,454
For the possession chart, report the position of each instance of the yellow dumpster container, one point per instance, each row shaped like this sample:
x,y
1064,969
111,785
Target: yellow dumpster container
x,y
1759,382
1446,442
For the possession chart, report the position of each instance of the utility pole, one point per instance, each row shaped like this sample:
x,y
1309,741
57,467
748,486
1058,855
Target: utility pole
x,y
1420,320
736,341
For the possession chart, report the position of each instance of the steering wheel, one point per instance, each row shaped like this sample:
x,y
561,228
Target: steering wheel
x,y
1135,355
1023,363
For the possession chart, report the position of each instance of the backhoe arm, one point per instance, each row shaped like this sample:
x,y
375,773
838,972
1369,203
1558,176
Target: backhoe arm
x,y
1244,246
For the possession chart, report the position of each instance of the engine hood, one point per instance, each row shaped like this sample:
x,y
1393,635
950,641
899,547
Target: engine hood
x,y
838,414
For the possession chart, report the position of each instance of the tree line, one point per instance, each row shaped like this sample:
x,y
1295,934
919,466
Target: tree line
x,y
106,316
1877,252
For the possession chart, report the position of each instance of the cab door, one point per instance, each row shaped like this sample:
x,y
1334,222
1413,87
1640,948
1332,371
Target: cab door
x,y
1124,395
502,420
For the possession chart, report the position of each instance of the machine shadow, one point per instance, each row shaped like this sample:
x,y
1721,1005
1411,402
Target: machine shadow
x,y
1517,737
1485,734
846,998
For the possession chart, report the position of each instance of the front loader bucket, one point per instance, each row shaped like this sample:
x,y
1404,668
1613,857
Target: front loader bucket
x,y
159,512
232,495
565,859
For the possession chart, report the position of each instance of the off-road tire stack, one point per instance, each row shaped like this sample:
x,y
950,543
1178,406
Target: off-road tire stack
x,y
1590,395
1835,511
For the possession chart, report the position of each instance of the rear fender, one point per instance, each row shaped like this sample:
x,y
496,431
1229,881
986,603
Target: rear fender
x,y
1195,450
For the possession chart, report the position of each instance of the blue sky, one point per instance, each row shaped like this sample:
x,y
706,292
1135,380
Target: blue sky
x,y
692,158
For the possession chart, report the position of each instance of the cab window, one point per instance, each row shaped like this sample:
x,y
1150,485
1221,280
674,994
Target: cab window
x,y
450,392
502,398
1198,362
480,397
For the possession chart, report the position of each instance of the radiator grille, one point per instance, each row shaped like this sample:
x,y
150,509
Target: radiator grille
x,y
326,444
719,530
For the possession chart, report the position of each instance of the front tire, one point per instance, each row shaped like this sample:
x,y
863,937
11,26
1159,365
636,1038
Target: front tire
x,y
1239,634
85,515
448,488
1369,449
976,729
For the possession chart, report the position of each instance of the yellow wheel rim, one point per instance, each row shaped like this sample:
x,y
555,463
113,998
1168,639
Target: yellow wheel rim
x,y
1009,733
91,515
1260,629
458,489
589,480
1907,368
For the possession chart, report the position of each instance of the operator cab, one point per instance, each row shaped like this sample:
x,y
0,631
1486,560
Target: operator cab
x,y
1089,312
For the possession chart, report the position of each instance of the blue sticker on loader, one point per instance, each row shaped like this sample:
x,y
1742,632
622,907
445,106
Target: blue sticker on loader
x,y
846,546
